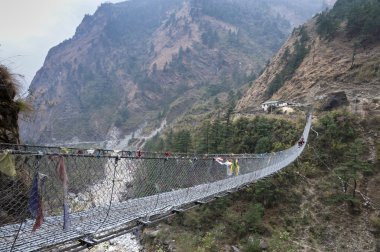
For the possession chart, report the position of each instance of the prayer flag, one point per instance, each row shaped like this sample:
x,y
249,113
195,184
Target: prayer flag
x,y
36,201
62,174
7,164
34,197
61,171
66,217
40,216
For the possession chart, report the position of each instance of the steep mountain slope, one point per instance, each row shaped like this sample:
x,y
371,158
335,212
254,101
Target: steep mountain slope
x,y
128,63
332,61
329,199
321,68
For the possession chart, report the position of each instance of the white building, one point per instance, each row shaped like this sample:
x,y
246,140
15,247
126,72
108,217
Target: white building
x,y
273,104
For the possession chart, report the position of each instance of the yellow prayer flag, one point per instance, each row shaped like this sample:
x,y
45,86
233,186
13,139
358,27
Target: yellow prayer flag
x,y
235,167
7,164
64,150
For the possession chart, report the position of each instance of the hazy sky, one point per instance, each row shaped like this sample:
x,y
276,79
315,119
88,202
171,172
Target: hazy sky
x,y
29,28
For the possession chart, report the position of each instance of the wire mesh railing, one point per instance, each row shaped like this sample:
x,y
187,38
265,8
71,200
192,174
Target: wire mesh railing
x,y
51,195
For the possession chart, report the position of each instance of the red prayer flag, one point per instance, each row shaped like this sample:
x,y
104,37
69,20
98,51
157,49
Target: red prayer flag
x,y
61,170
40,216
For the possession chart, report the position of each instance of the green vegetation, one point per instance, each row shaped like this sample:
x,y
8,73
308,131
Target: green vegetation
x,y
136,21
279,209
291,62
342,148
221,135
360,19
210,37
96,91
249,15
353,165
121,117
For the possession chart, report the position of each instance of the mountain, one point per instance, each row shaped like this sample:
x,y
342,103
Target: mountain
x,y
135,66
330,61
328,200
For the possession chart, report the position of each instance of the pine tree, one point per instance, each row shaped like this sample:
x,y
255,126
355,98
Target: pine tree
x,y
352,166
216,135
203,141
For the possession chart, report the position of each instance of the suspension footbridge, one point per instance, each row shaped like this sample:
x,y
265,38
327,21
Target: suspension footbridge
x,y
68,198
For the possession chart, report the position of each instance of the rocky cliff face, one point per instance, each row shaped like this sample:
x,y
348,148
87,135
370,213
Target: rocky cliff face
x,y
136,65
329,73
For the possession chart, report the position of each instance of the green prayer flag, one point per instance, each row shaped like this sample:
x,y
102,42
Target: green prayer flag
x,y
7,164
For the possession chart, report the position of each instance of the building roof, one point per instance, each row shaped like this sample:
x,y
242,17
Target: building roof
x,y
270,102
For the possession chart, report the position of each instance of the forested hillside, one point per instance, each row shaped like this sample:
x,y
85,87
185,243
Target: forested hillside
x,y
222,135
361,18
326,201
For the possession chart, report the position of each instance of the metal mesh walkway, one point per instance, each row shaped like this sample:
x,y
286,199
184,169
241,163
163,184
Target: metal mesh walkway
x,y
68,195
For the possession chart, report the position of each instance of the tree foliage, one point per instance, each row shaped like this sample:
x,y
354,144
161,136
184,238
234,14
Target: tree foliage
x,y
291,62
249,15
222,135
341,148
338,129
361,20
271,208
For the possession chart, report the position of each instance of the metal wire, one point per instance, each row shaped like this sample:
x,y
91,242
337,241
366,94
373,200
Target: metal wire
x,y
104,196
112,194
